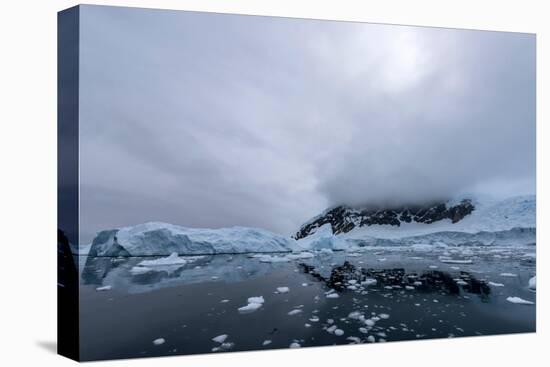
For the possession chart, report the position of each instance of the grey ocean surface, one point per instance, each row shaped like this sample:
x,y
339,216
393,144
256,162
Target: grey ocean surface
x,y
417,295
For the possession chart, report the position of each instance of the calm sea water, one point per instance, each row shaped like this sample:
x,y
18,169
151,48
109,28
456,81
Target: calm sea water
x,y
416,296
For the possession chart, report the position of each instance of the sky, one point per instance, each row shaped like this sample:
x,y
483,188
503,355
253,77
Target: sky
x,y
213,120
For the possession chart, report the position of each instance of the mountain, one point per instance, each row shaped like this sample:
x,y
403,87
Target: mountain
x,y
163,239
465,216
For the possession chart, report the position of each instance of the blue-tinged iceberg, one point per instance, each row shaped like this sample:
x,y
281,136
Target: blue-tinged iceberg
x,y
163,239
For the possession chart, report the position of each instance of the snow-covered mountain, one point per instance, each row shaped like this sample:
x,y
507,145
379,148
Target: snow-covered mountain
x,y
155,238
482,222
463,219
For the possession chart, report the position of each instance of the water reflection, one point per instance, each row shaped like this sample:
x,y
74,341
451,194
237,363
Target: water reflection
x,y
432,281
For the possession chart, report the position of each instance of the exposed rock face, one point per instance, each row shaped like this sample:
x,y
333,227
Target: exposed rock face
x,y
343,219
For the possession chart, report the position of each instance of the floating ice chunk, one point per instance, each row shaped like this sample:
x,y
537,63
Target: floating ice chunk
x,y
363,330
104,288
533,283
338,332
508,275
254,303
354,339
259,299
294,312
455,261
314,319
332,295
220,338
433,266
369,322
332,329
283,289
251,307
384,316
496,284
370,339
369,281
266,342
409,288
519,301
159,341
461,282
224,301
295,345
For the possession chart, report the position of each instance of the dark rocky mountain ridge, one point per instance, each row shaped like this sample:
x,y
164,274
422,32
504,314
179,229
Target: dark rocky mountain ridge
x,y
343,218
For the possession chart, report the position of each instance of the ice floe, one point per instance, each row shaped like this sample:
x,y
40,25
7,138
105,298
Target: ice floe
x,y
519,301
104,288
220,338
254,303
159,341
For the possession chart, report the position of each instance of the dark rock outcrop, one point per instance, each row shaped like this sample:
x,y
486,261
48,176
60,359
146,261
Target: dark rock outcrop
x,y
343,219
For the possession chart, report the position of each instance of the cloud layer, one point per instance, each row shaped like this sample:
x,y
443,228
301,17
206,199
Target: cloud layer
x,y
216,120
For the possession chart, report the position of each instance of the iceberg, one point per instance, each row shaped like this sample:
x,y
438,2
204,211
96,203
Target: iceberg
x,y
322,240
163,239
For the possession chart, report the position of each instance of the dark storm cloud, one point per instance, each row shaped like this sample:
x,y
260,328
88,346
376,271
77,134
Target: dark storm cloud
x,y
217,120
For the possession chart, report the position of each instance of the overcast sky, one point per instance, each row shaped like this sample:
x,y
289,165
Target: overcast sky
x,y
210,120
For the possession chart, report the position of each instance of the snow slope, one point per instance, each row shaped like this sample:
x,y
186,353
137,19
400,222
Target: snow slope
x,y
163,239
489,216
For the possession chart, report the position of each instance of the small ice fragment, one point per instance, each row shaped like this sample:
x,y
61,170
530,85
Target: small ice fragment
x,y
159,341
370,339
454,261
283,289
295,345
332,329
496,284
294,312
254,303
433,266
533,283
259,299
508,275
220,338
384,316
314,319
332,295
224,301
251,307
104,288
338,332
266,342
519,301
369,281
